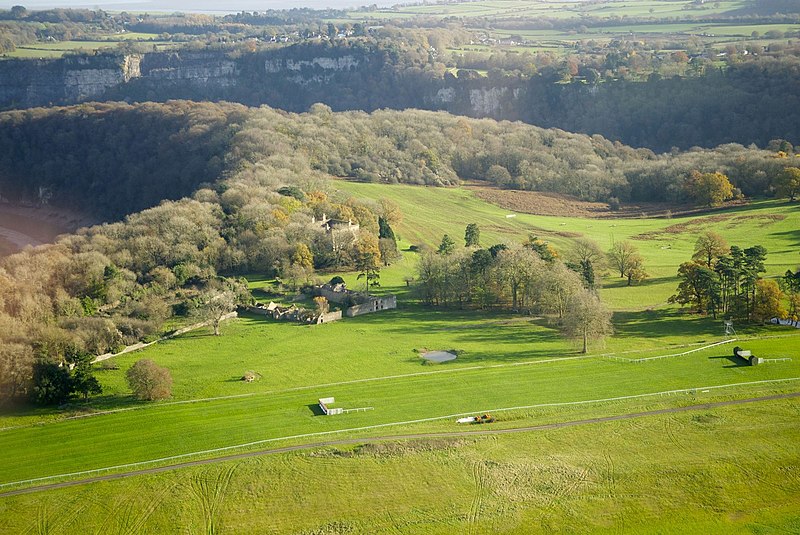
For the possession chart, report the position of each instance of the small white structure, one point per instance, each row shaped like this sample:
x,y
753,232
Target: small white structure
x,y
329,411
748,356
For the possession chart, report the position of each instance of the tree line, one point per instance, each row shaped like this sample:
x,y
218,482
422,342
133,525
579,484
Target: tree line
x,y
725,280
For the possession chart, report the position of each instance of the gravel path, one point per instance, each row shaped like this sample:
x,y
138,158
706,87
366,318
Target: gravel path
x,y
347,441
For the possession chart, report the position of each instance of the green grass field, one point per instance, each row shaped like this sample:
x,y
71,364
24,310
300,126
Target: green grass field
x,y
685,472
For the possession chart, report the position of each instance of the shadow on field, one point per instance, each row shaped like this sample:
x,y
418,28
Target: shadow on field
x,y
736,362
505,336
788,235
648,323
623,282
315,409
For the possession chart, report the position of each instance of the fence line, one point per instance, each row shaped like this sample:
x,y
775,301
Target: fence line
x,y
623,359
359,409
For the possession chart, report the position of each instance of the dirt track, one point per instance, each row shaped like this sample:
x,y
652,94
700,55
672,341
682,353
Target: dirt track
x,y
347,441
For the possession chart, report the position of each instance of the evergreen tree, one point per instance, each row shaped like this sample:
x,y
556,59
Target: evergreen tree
x,y
472,235
447,245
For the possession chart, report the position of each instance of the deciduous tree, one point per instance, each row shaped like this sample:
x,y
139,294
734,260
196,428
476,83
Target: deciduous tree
x,y
368,260
624,257
787,183
587,319
698,288
768,301
710,246
218,300
149,381
708,189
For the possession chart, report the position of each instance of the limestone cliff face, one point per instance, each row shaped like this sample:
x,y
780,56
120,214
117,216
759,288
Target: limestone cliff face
x,y
85,80
158,76
487,101
477,98
277,65
26,83
200,68
288,78
312,71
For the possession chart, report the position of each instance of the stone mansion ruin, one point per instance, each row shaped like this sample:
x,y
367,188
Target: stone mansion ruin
x,y
295,313
353,304
360,303
341,231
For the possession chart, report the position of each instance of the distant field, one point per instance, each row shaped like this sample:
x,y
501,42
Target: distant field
x,y
500,9
515,18
58,48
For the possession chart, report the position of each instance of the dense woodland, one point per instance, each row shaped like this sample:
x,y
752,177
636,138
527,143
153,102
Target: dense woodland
x,y
114,159
166,151
250,184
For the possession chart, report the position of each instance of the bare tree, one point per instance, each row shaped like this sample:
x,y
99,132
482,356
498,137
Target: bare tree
x,y
16,363
587,250
625,258
621,255
587,319
219,300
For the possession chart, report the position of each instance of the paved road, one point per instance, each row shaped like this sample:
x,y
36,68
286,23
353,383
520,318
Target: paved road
x,y
346,441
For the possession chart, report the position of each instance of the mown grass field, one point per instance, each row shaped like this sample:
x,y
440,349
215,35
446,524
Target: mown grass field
x,y
682,473
685,472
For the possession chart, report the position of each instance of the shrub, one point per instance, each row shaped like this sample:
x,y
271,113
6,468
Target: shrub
x,y
149,381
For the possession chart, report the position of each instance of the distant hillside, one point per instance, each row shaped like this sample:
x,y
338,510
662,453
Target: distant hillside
x,y
750,102
114,159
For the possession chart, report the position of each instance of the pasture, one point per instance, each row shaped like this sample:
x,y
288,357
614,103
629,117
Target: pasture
x,y
681,472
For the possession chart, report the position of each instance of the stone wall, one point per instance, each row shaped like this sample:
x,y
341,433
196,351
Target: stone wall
x,y
373,304
329,317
